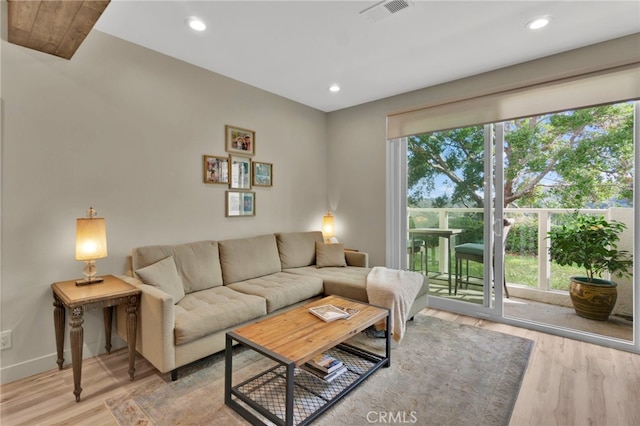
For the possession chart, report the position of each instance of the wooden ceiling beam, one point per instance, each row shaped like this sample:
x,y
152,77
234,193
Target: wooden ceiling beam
x,y
57,27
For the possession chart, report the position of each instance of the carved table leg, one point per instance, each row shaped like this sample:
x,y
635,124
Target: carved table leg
x,y
108,315
58,323
132,326
77,337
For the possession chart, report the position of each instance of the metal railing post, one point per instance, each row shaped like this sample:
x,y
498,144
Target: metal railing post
x,y
544,265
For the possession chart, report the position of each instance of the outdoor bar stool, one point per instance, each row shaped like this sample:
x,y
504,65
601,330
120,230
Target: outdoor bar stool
x,y
470,252
475,252
417,247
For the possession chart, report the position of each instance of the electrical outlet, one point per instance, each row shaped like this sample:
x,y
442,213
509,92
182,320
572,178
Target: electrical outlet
x,y
5,340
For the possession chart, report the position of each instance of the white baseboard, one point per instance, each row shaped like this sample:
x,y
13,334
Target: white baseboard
x,y
11,373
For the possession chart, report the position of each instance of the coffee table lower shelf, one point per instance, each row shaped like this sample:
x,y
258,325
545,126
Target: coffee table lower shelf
x,y
286,395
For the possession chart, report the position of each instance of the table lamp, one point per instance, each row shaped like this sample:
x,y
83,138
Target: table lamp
x,y
328,226
91,244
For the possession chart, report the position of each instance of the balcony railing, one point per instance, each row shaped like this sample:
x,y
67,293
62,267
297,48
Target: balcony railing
x,y
529,231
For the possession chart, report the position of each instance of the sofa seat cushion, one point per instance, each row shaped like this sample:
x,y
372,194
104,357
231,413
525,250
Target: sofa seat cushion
x,y
198,263
349,282
208,311
281,289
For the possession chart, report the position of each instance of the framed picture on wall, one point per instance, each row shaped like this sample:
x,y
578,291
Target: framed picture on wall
x,y
262,174
240,141
240,203
240,169
216,169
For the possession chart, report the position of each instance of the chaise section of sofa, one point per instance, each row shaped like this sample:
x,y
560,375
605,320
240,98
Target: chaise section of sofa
x,y
304,254
298,256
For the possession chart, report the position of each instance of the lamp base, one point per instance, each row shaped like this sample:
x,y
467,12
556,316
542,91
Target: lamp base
x,y
89,272
87,281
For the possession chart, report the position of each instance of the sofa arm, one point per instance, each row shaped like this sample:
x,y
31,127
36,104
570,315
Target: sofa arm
x,y
156,319
357,258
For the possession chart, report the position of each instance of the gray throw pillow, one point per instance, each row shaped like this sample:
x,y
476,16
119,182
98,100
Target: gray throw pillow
x,y
330,255
164,275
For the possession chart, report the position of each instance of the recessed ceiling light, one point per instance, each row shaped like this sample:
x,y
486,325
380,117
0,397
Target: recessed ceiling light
x,y
196,24
334,88
539,22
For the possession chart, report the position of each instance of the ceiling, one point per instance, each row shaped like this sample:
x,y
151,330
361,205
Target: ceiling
x,y
297,49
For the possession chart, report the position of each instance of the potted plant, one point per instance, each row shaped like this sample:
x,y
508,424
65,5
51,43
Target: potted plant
x,y
590,242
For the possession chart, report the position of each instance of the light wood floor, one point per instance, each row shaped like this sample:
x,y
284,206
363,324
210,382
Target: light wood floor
x,y
566,383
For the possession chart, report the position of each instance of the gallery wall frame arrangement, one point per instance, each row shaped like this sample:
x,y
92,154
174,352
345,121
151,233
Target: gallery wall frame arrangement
x,y
240,203
216,169
262,174
238,171
240,141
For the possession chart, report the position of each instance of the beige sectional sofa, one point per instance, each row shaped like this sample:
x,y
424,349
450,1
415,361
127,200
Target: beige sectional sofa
x,y
193,293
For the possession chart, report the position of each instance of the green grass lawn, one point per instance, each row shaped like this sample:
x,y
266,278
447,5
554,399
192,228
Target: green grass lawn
x,y
524,270
519,270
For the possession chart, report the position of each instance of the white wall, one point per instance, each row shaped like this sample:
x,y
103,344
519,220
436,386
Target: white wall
x,y
357,177
624,304
123,129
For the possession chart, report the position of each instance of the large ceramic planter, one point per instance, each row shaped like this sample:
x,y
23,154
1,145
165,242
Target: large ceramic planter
x,y
593,300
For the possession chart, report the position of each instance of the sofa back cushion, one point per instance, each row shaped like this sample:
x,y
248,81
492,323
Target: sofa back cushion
x,y
198,263
246,258
298,249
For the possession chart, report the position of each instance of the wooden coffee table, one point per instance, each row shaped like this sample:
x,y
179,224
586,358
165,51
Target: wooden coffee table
x,y
283,393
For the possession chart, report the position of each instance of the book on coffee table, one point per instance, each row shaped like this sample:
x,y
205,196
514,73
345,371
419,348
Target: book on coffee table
x,y
328,313
350,311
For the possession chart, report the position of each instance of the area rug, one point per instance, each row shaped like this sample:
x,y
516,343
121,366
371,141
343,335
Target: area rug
x,y
442,373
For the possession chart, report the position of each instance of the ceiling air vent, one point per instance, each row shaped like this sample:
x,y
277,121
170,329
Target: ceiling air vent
x,y
384,9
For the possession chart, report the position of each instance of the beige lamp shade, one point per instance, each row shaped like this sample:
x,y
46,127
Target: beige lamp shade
x,y
91,239
328,226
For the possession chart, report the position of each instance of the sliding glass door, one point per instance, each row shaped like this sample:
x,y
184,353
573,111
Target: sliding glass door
x,y
450,213
471,208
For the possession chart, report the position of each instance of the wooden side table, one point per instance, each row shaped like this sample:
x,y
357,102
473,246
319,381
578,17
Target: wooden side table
x,y
78,299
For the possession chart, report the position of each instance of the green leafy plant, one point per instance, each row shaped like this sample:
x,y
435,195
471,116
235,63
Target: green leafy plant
x,y
590,242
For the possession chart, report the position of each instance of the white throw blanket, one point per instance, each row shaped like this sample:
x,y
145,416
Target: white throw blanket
x,y
396,290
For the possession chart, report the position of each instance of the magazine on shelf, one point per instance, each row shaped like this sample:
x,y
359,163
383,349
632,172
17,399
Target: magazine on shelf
x,y
328,313
325,363
327,377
